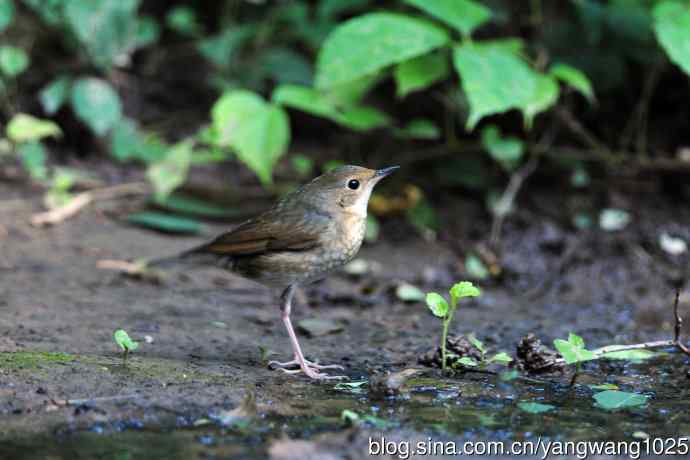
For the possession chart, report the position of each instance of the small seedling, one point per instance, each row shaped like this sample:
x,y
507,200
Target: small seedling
x,y
441,309
574,352
124,342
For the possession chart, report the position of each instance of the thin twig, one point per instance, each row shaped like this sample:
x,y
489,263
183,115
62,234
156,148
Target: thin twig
x,y
82,200
678,325
506,201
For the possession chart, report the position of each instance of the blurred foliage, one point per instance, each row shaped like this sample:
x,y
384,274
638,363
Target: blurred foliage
x,y
418,72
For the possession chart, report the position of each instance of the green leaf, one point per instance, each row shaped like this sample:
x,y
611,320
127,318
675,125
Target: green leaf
x,y
363,118
476,342
437,304
420,72
167,223
632,355
33,157
573,350
302,164
419,128
463,289
6,14
467,361
171,172
501,358
476,268
148,31
182,19
108,29
409,293
507,151
535,408
464,15
123,340
544,97
54,94
13,61
366,44
351,93
672,28
221,49
483,70
284,65
575,78
613,399
182,204
258,132
96,104
26,128
125,140
358,118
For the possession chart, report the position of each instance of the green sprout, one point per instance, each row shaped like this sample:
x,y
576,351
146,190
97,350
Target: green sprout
x,y
123,340
441,309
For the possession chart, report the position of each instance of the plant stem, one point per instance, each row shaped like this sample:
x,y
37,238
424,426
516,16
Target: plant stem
x,y
444,337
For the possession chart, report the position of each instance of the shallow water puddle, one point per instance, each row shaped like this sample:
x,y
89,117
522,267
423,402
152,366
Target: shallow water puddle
x,y
470,406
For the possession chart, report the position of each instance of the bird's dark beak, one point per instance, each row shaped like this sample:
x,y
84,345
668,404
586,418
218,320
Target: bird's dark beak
x,y
381,173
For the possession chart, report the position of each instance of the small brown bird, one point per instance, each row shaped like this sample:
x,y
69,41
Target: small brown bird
x,y
304,236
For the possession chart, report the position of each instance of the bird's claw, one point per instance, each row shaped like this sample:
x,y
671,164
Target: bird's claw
x,y
311,370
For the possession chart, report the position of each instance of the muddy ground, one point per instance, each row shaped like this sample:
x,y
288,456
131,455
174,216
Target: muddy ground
x,y
66,393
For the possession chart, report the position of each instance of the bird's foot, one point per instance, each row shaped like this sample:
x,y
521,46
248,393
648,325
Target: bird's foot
x,y
311,369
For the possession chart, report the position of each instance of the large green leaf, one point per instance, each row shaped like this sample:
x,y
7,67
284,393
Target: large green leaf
x,y
507,151
108,29
358,118
464,15
171,172
54,94
672,27
258,132
613,399
573,77
573,350
125,141
437,304
368,43
420,72
6,13
96,103
495,79
13,61
27,128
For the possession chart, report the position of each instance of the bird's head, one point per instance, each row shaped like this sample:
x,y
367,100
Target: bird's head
x,y
346,188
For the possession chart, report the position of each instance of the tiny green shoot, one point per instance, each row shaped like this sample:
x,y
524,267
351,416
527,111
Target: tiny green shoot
x,y
442,309
574,352
123,340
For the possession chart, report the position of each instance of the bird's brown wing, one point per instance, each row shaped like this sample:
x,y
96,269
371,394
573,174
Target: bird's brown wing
x,y
269,233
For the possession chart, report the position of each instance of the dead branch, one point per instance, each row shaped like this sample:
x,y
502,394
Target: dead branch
x,y
82,200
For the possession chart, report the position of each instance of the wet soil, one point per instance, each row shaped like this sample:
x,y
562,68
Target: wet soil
x,y
65,391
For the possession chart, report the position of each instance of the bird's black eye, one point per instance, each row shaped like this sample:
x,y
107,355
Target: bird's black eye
x,y
353,184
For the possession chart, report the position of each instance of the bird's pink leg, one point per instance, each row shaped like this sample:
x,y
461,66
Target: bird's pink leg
x,y
310,369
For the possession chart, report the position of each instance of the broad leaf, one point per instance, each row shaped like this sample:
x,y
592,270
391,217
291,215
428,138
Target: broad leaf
x,y
544,97
125,141
419,128
96,103
437,304
575,78
6,13
535,408
366,44
183,20
420,72
613,399
464,15
476,342
467,361
13,61
362,118
33,157
463,289
54,94
123,340
26,128
108,29
221,49
672,28
483,73
573,350
171,172
507,151
501,358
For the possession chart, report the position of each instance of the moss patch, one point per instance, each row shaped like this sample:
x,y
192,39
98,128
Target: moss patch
x,y
32,359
